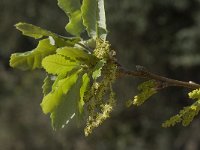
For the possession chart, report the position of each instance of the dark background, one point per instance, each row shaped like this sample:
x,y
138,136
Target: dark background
x,y
163,35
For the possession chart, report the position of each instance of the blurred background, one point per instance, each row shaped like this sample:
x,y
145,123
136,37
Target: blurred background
x,y
163,36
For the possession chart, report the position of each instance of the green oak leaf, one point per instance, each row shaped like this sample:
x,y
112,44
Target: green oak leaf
x,y
72,10
31,60
57,64
33,31
53,99
37,33
68,106
94,19
75,54
63,41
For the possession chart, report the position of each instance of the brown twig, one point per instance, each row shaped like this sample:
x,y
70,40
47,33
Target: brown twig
x,y
142,72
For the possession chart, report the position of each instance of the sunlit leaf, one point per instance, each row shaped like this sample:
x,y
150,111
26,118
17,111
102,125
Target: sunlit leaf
x,y
32,59
62,42
57,64
75,26
75,53
68,106
72,10
94,19
53,99
32,30
101,20
37,32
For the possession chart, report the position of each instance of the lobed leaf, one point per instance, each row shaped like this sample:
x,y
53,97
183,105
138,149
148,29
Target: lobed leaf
x,y
57,64
147,89
94,19
32,30
57,79
75,54
32,59
37,33
69,6
68,106
75,25
72,10
63,41
54,98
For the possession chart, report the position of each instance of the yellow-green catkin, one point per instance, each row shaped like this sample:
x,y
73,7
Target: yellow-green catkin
x,y
99,104
96,120
102,49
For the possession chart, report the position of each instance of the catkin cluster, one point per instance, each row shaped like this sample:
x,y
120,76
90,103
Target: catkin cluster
x,y
100,100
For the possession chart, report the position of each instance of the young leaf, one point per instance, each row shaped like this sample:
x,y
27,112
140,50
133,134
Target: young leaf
x,y
94,19
37,33
186,115
68,106
195,94
57,64
32,59
63,41
32,30
72,10
59,78
75,54
75,26
102,31
147,89
53,99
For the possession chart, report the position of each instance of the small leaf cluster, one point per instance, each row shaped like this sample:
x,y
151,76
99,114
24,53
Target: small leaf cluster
x,y
187,114
147,89
86,15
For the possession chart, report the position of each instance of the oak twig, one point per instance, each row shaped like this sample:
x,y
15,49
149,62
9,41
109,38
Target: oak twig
x,y
142,72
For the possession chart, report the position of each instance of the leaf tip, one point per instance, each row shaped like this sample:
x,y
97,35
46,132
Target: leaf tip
x,y
17,24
